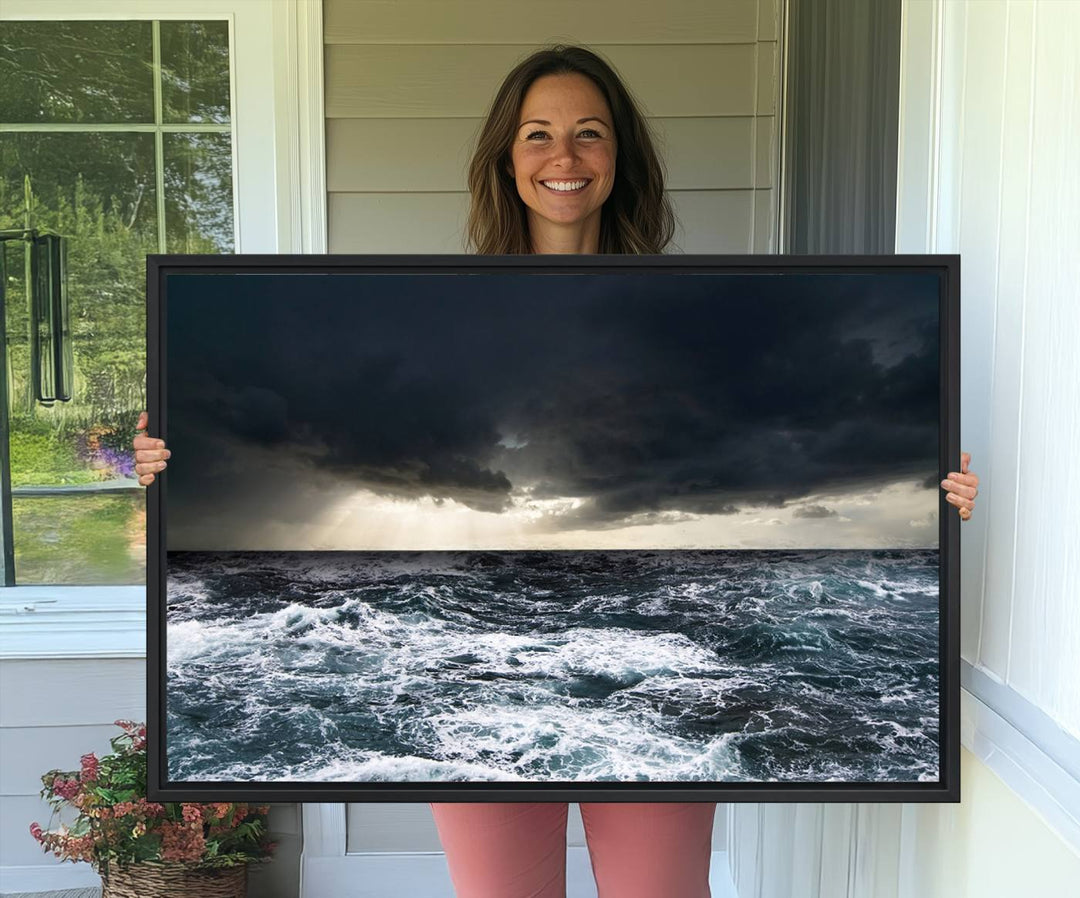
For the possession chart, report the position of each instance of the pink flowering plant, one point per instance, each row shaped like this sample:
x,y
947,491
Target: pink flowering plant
x,y
116,823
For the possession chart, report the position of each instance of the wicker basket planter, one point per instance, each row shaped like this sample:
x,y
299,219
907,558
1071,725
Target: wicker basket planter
x,y
172,880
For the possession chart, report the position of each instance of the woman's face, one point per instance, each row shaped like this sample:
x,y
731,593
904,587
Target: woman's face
x,y
565,136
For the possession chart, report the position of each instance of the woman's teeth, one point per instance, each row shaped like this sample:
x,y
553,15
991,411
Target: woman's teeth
x,y
564,186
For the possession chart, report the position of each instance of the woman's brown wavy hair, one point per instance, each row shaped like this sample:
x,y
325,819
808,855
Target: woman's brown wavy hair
x,y
637,216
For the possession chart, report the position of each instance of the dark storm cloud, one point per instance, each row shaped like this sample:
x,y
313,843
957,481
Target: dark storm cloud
x,y
637,393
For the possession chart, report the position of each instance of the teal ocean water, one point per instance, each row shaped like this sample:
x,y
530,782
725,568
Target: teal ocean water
x,y
733,666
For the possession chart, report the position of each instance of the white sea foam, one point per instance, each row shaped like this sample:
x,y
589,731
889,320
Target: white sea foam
x,y
570,742
522,689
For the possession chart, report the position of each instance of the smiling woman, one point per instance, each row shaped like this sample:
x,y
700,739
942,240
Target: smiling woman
x,y
560,117
564,164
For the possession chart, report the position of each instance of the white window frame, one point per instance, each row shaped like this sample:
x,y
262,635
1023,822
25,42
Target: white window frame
x,y
279,206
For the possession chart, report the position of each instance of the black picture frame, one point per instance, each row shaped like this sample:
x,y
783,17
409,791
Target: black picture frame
x,y
947,789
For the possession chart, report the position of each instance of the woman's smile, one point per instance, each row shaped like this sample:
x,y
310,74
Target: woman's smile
x,y
570,187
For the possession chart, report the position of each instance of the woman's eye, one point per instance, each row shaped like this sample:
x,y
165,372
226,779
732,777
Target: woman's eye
x,y
587,132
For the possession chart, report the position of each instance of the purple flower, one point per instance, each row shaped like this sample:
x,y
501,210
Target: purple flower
x,y
120,463
114,463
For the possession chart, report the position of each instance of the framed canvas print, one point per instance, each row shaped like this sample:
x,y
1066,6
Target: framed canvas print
x,y
582,528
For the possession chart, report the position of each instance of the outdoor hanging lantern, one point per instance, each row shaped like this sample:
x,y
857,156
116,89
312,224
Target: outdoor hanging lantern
x,y
51,357
51,360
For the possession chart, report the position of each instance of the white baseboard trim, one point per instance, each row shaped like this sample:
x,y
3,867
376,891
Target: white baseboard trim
x,y
425,875
1047,787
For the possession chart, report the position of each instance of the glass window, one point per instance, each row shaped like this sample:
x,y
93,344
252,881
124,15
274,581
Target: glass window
x,y
118,137
195,72
77,72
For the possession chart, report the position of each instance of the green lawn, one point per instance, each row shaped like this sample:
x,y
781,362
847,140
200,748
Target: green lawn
x,y
83,539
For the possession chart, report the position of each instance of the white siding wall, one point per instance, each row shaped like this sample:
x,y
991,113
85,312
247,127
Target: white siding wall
x,y
408,83
989,168
1014,214
54,711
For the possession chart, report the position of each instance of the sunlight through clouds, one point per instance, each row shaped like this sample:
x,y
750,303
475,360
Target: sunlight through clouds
x,y
898,515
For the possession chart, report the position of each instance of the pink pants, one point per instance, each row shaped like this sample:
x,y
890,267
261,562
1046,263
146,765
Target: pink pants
x,y
648,850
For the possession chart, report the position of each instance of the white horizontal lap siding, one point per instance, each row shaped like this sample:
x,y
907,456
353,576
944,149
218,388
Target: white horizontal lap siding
x,y
408,83
53,712
401,22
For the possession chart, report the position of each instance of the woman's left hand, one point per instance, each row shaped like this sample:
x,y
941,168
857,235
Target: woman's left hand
x,y
962,487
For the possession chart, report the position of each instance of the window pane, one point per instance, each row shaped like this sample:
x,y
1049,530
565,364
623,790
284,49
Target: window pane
x,y
195,72
76,72
97,190
198,193
81,540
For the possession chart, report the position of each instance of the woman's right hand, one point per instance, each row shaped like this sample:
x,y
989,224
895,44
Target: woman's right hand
x,y
150,453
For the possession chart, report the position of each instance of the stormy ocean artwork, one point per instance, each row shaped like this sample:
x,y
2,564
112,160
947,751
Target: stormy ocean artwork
x,y
554,666
553,527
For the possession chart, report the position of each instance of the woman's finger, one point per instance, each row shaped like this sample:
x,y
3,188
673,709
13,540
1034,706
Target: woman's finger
x,y
968,492
963,479
150,452
959,501
965,460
